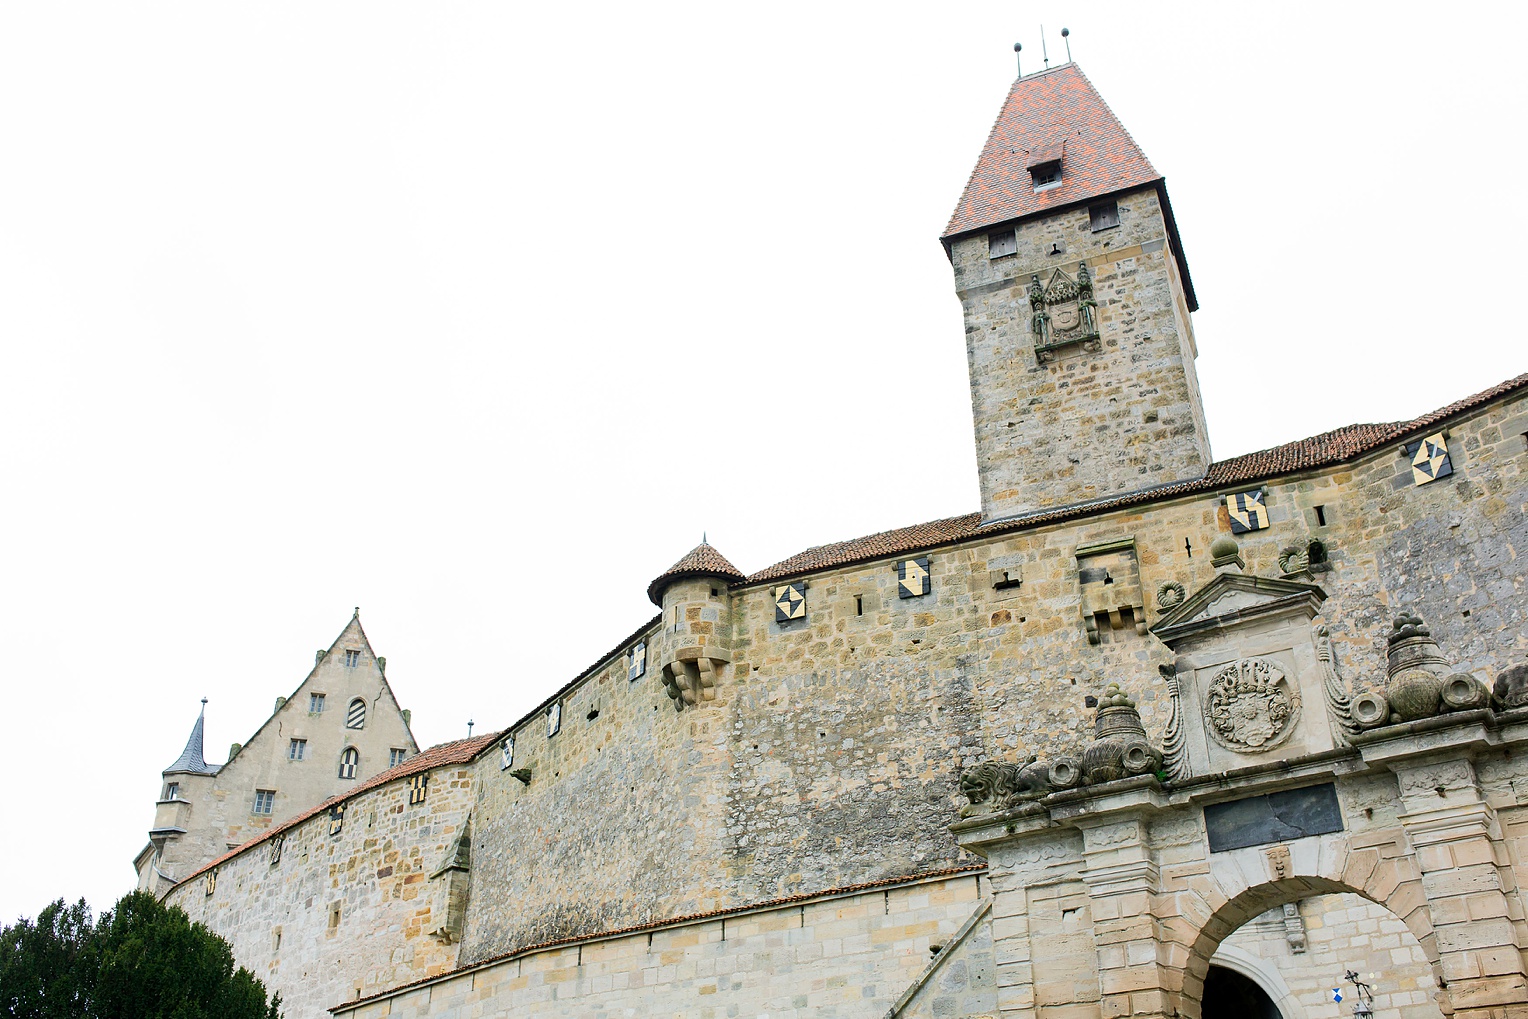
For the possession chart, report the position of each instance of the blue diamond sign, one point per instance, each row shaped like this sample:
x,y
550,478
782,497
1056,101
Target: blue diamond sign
x,y
1337,994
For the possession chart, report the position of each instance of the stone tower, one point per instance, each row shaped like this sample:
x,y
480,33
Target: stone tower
x,y
696,638
1076,298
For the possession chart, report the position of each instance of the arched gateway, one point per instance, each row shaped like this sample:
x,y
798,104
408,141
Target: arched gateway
x,y
1118,875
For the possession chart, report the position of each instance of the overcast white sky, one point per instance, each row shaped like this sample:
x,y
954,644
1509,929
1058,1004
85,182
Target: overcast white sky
x,y
476,315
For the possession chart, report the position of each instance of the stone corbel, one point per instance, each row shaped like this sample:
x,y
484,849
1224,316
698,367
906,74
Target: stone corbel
x,y
449,883
690,674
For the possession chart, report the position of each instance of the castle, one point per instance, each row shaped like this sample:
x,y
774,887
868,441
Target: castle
x,y
1149,734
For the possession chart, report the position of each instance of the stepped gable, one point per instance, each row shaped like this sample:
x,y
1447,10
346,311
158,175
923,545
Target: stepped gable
x,y
701,561
1053,114
192,760
1334,447
458,751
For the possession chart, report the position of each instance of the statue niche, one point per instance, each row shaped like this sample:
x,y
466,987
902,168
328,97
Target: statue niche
x,y
1063,312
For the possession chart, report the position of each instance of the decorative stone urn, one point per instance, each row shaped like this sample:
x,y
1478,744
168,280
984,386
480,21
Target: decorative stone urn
x,y
1119,746
1416,669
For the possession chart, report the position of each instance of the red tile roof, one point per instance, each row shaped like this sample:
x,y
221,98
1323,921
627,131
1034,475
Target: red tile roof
x,y
700,561
1044,112
456,752
1323,450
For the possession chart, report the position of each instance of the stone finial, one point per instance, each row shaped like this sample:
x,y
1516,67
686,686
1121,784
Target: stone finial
x,y
1420,683
1119,746
1225,555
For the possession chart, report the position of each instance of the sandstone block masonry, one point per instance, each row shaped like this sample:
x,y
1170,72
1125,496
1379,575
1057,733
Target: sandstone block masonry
x,y
1105,418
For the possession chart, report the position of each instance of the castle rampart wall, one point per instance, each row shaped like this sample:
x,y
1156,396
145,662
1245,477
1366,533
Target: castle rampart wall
x,y
339,916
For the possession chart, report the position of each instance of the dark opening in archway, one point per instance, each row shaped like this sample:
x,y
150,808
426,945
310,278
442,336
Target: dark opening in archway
x,y
1229,995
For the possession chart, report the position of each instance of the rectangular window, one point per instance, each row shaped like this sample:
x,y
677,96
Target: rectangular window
x,y
1002,242
315,703
171,790
265,801
352,658
297,750
395,756
1103,216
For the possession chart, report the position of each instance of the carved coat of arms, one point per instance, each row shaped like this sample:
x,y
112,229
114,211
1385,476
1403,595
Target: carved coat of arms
x,y
1250,707
1063,312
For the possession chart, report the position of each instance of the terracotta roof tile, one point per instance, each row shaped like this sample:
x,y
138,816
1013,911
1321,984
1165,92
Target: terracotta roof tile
x,y
456,752
700,561
1045,112
1322,450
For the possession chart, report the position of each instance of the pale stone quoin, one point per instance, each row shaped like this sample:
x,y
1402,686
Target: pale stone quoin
x,y
1145,734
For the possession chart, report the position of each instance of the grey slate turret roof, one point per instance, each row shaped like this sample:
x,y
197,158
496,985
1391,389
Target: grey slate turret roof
x,y
191,759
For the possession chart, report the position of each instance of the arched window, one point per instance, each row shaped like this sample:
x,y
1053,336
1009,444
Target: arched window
x,y
355,717
349,761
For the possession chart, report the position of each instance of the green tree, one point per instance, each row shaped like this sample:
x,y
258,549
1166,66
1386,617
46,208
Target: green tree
x,y
143,960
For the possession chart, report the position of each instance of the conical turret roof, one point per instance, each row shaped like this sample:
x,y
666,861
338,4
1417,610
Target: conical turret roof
x,y
700,561
191,759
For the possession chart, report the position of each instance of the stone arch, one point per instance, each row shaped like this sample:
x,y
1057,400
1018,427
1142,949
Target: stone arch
x,y
1403,898
1265,975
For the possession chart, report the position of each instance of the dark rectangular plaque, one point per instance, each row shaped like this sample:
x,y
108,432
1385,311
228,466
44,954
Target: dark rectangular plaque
x,y
1275,817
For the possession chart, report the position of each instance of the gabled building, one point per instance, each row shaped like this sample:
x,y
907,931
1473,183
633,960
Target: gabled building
x,y
340,727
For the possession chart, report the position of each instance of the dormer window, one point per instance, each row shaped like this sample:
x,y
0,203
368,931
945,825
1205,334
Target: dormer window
x,y
1044,165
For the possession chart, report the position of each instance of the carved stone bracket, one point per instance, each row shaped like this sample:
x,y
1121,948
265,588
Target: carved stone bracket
x,y
689,677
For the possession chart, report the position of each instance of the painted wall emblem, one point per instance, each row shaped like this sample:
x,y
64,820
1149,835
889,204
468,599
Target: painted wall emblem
x,y
1429,459
912,578
1247,511
418,786
553,719
276,844
211,883
336,819
790,602
1250,707
636,663
1062,312
507,753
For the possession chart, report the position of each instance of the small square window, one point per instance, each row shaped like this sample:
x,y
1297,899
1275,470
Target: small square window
x,y
265,801
171,790
1046,175
1002,242
297,750
1103,216
315,703
352,658
395,756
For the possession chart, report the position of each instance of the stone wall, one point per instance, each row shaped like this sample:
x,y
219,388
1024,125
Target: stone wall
x,y
1342,933
343,915
831,752
845,955
1097,420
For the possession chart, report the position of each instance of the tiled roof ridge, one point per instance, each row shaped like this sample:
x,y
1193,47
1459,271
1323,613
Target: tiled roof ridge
x,y
704,560
1326,449
785,900
458,751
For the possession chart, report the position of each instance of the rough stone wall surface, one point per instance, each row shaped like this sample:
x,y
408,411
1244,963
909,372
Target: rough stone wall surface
x,y
220,808
1088,424
846,956
1344,932
831,753
281,919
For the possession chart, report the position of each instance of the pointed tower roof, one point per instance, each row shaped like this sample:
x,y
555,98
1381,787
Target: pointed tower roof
x,y
191,759
700,561
1053,115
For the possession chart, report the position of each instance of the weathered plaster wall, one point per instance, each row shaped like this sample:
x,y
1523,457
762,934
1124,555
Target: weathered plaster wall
x,y
281,920
849,955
